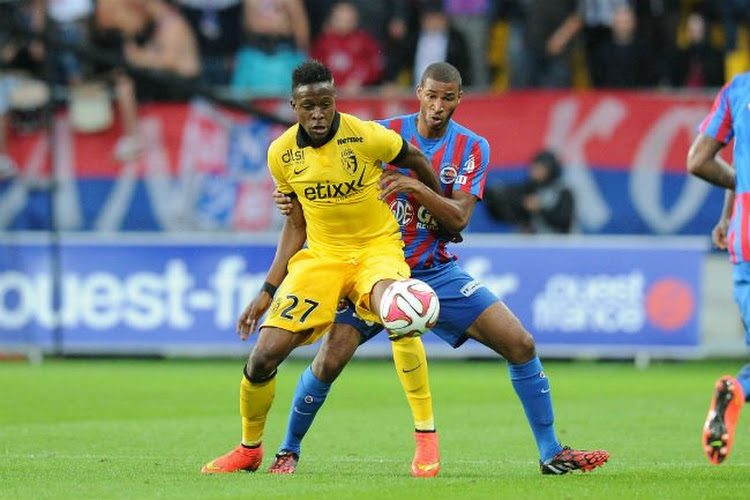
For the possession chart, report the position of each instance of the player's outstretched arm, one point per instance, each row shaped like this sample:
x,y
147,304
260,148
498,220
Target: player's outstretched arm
x,y
291,240
703,161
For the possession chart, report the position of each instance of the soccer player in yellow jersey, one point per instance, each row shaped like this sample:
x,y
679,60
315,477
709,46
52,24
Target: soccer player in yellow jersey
x,y
330,163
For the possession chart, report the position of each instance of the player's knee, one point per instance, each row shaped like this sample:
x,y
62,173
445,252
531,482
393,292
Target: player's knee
x,y
327,368
261,365
523,349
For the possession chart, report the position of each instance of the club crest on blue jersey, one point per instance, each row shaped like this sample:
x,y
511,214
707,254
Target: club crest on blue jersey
x,y
448,173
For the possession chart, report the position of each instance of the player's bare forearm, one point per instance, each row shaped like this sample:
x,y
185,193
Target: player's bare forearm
x,y
721,229
452,214
726,211
291,241
704,161
415,160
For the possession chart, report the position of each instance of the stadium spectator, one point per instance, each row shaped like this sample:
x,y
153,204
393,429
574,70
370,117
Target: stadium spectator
x,y
217,25
387,21
699,64
70,21
473,19
20,59
658,22
169,51
8,83
355,58
734,14
541,204
549,29
435,41
626,60
728,120
276,38
354,247
598,16
479,315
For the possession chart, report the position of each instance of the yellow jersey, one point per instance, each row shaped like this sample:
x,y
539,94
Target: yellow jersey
x,y
337,183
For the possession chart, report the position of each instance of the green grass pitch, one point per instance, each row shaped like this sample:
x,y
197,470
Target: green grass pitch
x,y
138,429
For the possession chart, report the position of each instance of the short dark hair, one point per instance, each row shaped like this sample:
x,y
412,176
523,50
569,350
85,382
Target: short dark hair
x,y
442,72
309,72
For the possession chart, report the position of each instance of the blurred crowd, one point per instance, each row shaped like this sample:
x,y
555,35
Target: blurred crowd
x,y
248,48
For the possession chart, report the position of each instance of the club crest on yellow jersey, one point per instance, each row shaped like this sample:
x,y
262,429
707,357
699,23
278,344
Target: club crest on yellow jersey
x,y
349,161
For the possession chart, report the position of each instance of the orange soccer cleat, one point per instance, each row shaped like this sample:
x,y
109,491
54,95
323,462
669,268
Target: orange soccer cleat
x,y
240,458
426,461
568,460
718,431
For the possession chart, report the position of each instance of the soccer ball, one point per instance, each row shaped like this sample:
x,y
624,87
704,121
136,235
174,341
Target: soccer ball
x,y
409,308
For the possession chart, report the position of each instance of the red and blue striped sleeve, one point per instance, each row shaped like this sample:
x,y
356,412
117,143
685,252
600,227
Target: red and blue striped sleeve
x,y
473,171
718,123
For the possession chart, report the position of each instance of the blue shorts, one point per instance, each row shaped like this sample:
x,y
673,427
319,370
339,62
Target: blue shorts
x,y
462,300
741,278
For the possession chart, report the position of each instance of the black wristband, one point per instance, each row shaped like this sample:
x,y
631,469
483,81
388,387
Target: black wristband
x,y
268,288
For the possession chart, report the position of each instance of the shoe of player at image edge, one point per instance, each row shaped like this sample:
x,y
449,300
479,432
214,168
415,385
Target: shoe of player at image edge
x,y
718,430
568,460
8,167
284,463
426,461
240,458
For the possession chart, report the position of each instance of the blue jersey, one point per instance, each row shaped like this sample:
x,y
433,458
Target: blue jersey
x,y
460,159
730,118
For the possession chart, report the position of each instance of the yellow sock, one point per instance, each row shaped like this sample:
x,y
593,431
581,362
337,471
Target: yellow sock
x,y
255,401
411,366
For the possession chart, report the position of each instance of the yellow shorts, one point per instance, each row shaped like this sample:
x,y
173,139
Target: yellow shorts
x,y
307,299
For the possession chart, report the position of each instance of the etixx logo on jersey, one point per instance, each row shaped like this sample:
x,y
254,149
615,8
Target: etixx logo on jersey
x,y
448,173
338,190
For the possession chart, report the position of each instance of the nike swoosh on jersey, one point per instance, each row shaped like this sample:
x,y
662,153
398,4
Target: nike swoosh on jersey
x,y
297,172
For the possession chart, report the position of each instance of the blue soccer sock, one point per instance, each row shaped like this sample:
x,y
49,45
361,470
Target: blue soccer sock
x,y
533,390
744,379
308,398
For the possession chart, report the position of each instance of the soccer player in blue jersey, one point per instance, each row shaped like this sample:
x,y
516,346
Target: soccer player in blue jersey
x,y
728,119
468,309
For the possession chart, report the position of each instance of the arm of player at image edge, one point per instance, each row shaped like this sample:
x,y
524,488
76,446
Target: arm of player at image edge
x,y
703,161
291,240
720,230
